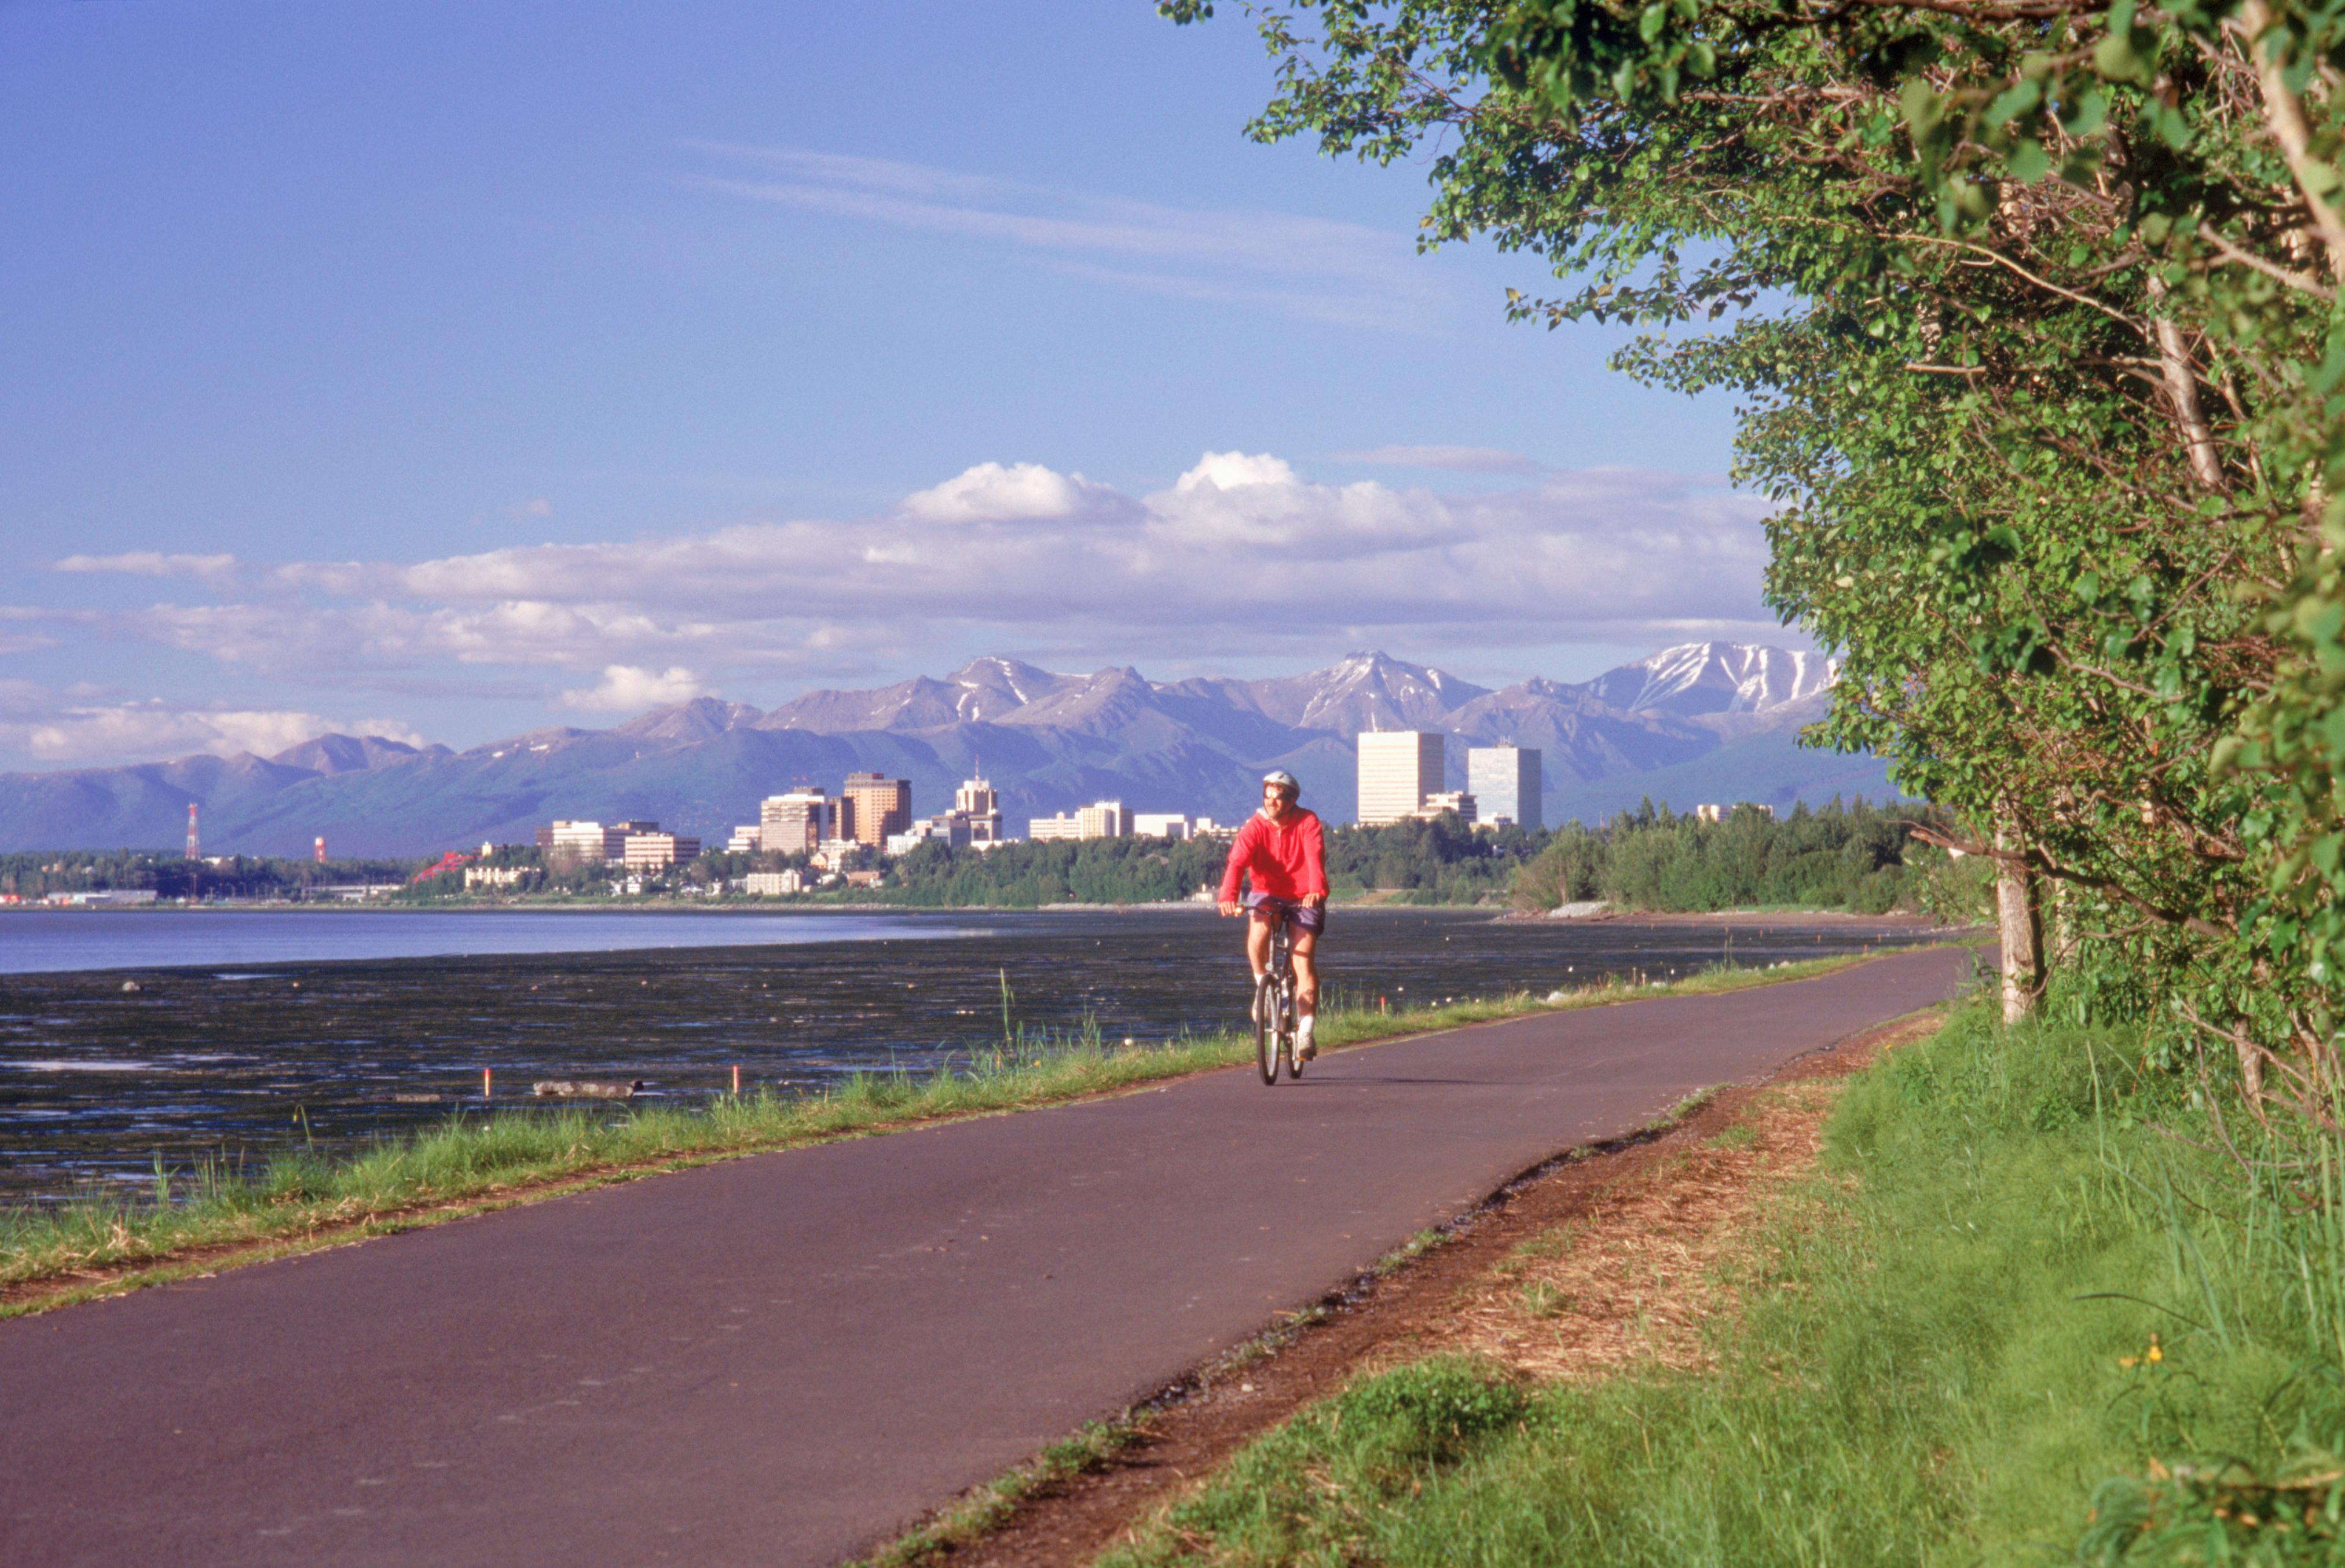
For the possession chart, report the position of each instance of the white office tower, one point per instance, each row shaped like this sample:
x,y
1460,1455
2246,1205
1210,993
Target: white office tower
x,y
1399,769
1505,781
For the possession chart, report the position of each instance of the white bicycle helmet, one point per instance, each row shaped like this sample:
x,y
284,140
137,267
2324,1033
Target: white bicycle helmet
x,y
1282,779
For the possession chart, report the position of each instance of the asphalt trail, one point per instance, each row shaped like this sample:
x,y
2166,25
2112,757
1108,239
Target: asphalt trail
x,y
780,1359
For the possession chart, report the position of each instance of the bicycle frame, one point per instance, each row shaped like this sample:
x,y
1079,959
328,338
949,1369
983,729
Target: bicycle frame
x,y
1274,1006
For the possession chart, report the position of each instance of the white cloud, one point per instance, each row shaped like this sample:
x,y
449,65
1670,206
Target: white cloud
x,y
991,492
626,689
1459,459
1241,556
1234,471
152,564
104,733
1295,265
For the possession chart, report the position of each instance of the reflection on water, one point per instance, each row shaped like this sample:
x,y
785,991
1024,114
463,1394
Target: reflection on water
x,y
96,1081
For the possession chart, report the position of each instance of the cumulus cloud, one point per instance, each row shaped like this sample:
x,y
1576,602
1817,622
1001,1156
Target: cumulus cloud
x,y
151,563
627,689
992,493
1239,557
1239,538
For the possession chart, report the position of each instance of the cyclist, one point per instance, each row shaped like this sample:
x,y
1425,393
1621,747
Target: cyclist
x,y
1280,850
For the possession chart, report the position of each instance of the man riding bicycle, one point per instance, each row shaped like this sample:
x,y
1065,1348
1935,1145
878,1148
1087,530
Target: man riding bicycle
x,y
1280,850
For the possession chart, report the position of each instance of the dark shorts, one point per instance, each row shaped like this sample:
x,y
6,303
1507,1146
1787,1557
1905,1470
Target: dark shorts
x,y
1302,917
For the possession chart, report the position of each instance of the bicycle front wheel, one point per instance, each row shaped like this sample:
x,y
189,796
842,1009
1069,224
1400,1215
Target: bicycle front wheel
x,y
1266,1029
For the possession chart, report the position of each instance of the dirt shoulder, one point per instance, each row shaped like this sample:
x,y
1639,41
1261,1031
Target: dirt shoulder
x,y
1602,1258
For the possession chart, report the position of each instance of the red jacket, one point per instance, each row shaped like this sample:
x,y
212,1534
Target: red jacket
x,y
1287,858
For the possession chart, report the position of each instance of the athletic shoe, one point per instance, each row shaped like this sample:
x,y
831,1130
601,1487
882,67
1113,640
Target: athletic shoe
x,y
1303,1048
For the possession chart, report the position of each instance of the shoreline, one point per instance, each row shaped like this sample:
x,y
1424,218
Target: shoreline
x,y
53,1257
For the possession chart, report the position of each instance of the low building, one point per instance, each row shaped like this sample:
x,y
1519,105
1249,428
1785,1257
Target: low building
x,y
949,828
747,839
772,884
1206,828
495,876
1711,812
1099,820
103,898
657,851
593,843
1459,802
1103,820
1160,825
837,854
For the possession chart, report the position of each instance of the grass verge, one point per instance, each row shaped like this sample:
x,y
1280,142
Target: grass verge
x,y
2037,1305
216,1216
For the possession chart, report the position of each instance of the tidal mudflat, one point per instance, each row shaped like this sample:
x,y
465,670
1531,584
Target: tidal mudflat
x,y
97,1082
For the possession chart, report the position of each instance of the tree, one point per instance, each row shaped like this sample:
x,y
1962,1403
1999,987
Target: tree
x,y
2051,414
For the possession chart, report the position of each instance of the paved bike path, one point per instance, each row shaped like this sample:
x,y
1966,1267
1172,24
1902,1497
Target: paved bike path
x,y
779,1359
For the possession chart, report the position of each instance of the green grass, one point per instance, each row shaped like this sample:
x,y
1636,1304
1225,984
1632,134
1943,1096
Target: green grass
x,y
1946,1359
472,1161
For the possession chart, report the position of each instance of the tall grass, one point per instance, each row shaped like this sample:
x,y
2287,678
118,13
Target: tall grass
x,y
477,1159
2040,1306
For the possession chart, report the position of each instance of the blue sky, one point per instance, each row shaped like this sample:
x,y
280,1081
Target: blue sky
x,y
447,370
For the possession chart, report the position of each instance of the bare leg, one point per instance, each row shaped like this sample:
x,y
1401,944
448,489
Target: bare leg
x,y
1306,973
1258,943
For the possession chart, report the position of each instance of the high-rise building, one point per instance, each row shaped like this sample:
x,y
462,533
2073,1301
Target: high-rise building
x,y
872,806
795,823
1507,782
980,803
1160,825
194,841
1399,769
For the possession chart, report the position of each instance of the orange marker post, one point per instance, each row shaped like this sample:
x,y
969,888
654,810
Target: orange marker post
x,y
736,1079
484,1083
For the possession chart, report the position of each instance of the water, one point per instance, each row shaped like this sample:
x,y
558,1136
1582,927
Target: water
x,y
38,941
240,1056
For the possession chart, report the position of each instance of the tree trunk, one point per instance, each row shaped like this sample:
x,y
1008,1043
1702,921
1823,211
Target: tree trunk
x,y
2022,923
2182,392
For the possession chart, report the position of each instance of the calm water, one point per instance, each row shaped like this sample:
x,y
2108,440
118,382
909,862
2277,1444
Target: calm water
x,y
236,1056
33,941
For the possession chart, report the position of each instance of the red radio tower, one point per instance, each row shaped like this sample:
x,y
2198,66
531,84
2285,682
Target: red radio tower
x,y
195,844
321,849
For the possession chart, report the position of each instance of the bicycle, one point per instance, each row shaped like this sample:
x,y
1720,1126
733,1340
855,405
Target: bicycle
x,y
1273,1005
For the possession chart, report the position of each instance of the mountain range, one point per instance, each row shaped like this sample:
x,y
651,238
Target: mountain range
x,y
1704,721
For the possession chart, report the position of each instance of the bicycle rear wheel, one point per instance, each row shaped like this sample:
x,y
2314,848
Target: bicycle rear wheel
x,y
1265,1028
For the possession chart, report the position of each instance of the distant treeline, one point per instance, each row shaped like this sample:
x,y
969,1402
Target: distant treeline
x,y
1856,856
35,874
1443,861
